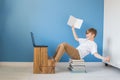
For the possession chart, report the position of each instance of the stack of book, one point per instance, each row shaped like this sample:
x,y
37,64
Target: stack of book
x,y
77,65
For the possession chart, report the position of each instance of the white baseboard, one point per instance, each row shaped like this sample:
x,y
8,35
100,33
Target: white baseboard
x,y
30,64
17,64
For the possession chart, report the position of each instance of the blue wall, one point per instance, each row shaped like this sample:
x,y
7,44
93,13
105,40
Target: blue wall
x,y
47,19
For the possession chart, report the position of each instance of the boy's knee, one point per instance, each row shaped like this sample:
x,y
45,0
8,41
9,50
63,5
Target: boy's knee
x,y
64,43
61,45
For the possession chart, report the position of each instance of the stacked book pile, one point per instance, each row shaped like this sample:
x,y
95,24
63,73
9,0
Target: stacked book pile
x,y
77,65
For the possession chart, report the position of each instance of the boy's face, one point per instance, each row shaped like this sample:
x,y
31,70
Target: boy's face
x,y
90,36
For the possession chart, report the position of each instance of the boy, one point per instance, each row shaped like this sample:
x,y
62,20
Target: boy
x,y
87,45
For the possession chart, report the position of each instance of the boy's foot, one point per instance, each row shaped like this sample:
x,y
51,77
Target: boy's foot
x,y
51,62
54,61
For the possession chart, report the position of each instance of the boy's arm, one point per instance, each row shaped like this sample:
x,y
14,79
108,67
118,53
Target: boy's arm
x,y
74,33
107,59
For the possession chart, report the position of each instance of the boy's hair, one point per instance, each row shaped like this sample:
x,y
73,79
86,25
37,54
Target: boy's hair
x,y
92,30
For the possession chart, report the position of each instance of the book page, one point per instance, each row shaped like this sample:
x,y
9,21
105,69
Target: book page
x,y
77,23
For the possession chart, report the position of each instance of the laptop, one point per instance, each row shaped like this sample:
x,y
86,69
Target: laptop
x,y
33,41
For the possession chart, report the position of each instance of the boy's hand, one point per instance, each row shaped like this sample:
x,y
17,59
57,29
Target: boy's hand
x,y
107,59
73,27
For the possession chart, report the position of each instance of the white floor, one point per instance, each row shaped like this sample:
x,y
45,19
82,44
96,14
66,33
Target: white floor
x,y
23,71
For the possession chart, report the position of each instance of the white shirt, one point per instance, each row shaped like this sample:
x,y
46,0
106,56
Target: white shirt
x,y
86,46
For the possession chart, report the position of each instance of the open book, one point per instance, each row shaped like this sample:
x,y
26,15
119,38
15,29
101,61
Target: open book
x,y
73,21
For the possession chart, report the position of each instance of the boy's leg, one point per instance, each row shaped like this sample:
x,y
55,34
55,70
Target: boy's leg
x,y
59,52
71,51
64,47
